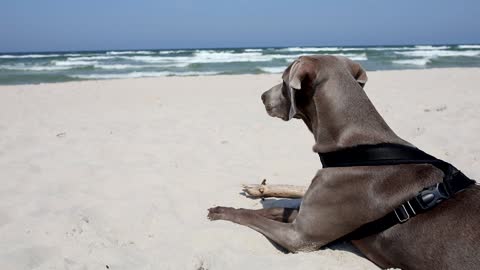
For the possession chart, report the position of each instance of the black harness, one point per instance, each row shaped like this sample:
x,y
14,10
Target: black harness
x,y
454,181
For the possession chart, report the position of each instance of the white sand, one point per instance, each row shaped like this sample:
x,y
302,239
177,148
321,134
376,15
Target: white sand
x,y
121,173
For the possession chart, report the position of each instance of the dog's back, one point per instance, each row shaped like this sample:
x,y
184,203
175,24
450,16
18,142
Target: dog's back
x,y
447,237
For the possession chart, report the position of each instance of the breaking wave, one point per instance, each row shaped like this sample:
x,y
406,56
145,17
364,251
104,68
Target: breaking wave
x,y
253,50
139,75
439,53
310,49
430,47
129,52
414,62
272,69
20,56
469,46
72,63
34,68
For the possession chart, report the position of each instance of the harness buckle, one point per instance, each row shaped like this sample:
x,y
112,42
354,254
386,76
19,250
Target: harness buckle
x,y
431,196
402,213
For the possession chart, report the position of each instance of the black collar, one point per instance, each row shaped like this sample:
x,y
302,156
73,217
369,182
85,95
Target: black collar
x,y
375,154
454,181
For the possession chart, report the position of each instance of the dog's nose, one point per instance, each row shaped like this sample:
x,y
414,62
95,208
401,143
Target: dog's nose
x,y
264,96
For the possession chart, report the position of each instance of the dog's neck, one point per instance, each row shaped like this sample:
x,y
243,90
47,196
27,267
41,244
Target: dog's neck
x,y
344,116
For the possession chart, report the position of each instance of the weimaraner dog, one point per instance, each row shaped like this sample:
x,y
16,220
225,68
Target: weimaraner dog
x,y
326,92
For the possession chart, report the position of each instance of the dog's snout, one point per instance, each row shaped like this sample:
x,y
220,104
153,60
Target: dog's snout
x,y
264,97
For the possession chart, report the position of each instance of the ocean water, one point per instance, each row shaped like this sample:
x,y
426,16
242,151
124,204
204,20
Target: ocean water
x,y
31,68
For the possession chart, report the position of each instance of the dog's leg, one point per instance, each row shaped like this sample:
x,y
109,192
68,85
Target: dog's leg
x,y
286,215
284,234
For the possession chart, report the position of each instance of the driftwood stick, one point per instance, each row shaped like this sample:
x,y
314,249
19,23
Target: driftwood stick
x,y
280,191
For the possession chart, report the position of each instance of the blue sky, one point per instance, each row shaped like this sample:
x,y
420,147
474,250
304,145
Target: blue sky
x,y
50,25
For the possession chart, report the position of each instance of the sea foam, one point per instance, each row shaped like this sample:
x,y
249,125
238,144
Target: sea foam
x,y
389,48
20,56
172,51
34,68
355,57
414,62
129,52
253,50
430,47
140,75
228,57
469,46
273,69
75,63
310,49
439,53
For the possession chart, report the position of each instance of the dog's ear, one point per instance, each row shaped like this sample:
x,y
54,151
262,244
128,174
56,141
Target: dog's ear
x,y
299,71
358,73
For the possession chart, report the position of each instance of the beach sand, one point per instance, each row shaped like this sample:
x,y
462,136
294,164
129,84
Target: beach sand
x,y
119,174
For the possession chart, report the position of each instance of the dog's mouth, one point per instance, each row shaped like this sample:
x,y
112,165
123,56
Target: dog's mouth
x,y
269,108
272,111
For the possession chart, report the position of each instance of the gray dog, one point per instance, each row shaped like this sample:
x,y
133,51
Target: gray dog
x,y
326,92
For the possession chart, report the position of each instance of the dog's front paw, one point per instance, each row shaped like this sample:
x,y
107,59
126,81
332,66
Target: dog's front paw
x,y
219,213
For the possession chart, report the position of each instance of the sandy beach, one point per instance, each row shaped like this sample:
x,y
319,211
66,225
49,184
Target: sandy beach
x,y
119,174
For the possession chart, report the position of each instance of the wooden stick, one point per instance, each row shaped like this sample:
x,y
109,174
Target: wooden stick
x,y
280,191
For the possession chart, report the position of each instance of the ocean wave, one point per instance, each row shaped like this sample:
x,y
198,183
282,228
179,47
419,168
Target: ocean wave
x,y
309,49
34,68
353,49
439,53
273,69
228,57
414,62
139,66
469,46
253,50
292,57
120,75
93,57
172,51
152,59
7,56
354,57
322,49
199,57
214,51
140,75
129,52
172,61
389,48
194,73
75,63
72,54
117,66
430,47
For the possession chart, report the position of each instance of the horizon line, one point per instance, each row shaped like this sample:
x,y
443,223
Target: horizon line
x,y
236,47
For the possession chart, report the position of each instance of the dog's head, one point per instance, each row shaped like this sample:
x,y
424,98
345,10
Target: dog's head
x,y
294,97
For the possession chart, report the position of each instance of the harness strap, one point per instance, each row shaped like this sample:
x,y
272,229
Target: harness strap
x,y
454,181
